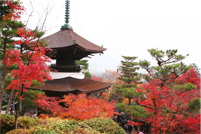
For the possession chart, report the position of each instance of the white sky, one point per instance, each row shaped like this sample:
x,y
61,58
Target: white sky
x,y
126,27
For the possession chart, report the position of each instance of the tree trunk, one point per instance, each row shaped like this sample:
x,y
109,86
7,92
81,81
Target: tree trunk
x,y
19,107
4,76
17,114
129,101
10,100
2,87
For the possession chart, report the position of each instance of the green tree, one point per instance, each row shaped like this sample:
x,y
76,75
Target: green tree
x,y
27,102
85,67
6,34
9,13
130,78
167,65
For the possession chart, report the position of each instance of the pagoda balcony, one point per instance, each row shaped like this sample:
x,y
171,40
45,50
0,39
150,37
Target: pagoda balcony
x,y
66,68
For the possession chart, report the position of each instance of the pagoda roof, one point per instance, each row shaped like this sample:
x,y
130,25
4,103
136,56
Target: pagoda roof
x,y
67,37
70,84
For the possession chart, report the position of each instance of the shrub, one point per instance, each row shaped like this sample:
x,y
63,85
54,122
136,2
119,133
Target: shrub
x,y
4,107
58,126
102,125
27,122
18,131
8,122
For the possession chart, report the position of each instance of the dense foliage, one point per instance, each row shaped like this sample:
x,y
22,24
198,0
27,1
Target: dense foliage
x,y
171,111
10,10
77,107
9,13
130,78
171,94
167,68
29,125
169,101
30,61
126,84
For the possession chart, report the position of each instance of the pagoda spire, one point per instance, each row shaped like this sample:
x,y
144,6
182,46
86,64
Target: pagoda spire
x,y
67,12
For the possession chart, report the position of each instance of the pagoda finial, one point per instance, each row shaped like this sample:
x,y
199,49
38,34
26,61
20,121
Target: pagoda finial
x,y
67,12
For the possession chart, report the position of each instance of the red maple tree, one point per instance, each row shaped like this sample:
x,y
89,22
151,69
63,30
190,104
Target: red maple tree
x,y
14,10
30,61
169,106
78,107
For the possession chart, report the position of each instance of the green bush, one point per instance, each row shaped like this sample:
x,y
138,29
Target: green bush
x,y
57,126
186,87
18,131
7,122
194,105
102,125
29,125
4,107
133,111
27,122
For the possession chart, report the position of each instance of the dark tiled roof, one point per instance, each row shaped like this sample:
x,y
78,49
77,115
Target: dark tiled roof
x,y
70,84
67,37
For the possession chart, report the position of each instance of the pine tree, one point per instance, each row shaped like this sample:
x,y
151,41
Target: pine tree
x,y
9,13
167,65
84,66
7,33
130,78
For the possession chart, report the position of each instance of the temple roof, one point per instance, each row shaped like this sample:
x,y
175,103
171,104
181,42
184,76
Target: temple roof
x,y
67,37
70,84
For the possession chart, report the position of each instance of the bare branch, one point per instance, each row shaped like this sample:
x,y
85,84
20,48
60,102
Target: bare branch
x,y
165,97
30,14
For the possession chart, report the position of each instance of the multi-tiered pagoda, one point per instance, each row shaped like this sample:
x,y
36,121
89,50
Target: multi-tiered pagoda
x,y
67,46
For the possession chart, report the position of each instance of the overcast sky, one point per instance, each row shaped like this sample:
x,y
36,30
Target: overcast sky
x,y
126,27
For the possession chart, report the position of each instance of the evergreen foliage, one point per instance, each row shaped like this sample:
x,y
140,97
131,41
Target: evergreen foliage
x,y
27,102
130,78
84,66
8,30
137,113
166,66
194,106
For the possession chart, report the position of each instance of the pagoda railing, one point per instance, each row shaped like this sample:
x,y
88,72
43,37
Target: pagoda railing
x,y
66,68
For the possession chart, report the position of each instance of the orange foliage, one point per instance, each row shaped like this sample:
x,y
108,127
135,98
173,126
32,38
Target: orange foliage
x,y
78,107
14,12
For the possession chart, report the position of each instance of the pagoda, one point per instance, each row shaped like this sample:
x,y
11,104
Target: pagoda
x,y
67,46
